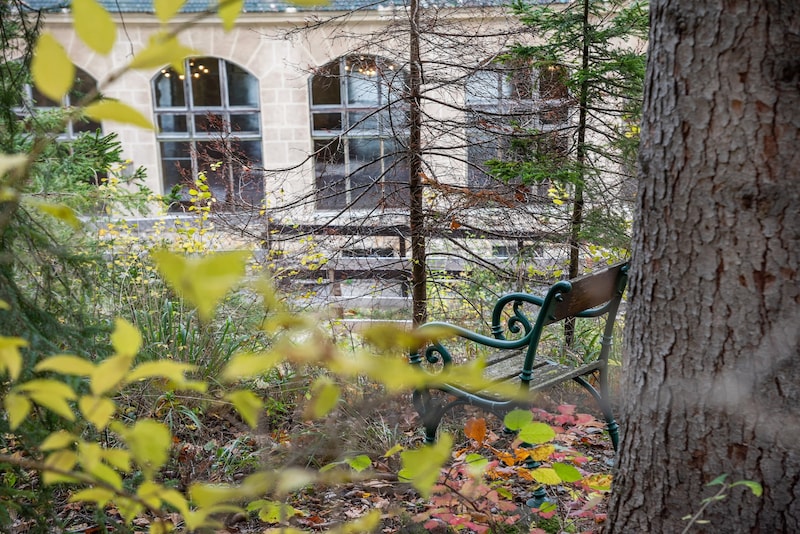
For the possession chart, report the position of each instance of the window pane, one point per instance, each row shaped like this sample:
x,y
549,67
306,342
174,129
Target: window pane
x,y
84,84
241,122
172,123
362,90
366,167
247,173
483,87
209,123
242,86
363,122
204,72
176,163
325,86
330,172
330,122
41,101
85,125
169,90
395,179
552,82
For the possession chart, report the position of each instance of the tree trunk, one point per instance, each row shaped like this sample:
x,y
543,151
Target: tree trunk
x,y
712,377
416,223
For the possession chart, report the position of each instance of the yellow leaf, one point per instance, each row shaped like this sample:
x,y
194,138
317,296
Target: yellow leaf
x,y
421,467
293,479
110,372
60,439
149,442
66,364
51,394
18,408
104,473
94,25
324,397
59,211
53,72
206,495
166,9
60,462
162,49
118,458
148,492
540,454
114,110
203,281
4,305
97,410
126,338
247,404
167,369
546,475
8,163
10,357
247,365
100,496
394,450
229,11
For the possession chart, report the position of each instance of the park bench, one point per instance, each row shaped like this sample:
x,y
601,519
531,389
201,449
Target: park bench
x,y
514,343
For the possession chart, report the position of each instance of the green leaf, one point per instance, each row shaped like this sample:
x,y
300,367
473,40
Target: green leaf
x,y
114,110
53,72
516,419
60,439
567,473
18,408
10,356
324,398
203,281
476,464
535,433
59,211
66,364
163,48
718,481
126,338
97,410
754,486
247,404
421,467
167,9
275,512
229,11
94,25
360,462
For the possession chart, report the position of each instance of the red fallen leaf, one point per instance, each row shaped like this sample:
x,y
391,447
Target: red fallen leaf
x,y
567,409
455,225
584,418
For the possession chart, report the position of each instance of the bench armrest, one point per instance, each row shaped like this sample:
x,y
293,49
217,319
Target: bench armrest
x,y
436,352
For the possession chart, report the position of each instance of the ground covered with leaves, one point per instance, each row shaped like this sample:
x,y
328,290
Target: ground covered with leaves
x,y
488,484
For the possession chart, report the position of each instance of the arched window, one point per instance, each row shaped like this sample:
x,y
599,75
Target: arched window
x,y
35,103
515,113
359,128
209,120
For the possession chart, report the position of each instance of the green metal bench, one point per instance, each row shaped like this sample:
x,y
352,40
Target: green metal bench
x,y
516,335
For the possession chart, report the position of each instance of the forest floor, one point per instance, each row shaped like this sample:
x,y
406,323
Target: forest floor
x,y
214,446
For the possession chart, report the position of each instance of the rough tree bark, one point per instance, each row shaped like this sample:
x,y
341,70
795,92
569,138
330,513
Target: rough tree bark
x,y
712,380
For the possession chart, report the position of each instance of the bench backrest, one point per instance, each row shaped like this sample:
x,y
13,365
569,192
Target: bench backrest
x,y
589,291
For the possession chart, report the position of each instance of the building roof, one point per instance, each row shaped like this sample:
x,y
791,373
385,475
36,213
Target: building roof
x,y
264,6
